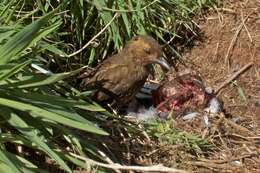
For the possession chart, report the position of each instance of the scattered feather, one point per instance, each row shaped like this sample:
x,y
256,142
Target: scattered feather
x,y
214,106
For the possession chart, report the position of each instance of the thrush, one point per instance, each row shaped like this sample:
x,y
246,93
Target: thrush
x,y
122,75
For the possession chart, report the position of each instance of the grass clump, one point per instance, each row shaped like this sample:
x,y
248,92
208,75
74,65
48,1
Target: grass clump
x,y
39,110
166,133
80,21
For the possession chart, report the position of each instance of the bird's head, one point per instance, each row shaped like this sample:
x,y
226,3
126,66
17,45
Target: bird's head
x,y
146,50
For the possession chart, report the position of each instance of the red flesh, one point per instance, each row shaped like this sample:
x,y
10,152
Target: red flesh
x,y
173,95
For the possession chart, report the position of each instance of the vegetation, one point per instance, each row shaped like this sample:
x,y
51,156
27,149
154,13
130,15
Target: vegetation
x,y
40,110
167,134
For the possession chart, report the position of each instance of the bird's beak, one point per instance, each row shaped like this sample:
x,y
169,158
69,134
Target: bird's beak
x,y
163,63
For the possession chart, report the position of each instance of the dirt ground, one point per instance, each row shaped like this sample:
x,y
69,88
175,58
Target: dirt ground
x,y
229,49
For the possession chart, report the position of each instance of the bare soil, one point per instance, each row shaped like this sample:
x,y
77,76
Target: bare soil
x,y
230,40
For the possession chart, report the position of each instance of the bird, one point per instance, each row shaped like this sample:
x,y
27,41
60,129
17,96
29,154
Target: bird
x,y
186,91
121,76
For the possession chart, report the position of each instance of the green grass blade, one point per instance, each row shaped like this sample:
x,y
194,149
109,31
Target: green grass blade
x,y
121,5
6,163
52,48
45,31
22,39
4,12
107,17
92,108
41,80
32,135
14,70
39,112
6,32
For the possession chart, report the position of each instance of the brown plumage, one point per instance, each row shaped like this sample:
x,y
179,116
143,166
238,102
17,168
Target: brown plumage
x,y
121,76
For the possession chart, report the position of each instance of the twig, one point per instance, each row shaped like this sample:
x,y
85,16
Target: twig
x,y
108,159
232,44
98,34
221,164
215,128
154,168
227,10
209,165
153,81
220,17
238,127
234,76
231,159
248,33
144,133
247,138
216,52
168,42
234,39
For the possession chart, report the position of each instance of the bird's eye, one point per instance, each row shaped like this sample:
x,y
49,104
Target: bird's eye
x,y
147,50
135,38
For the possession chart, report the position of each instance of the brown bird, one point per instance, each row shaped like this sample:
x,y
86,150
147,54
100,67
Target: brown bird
x,y
121,76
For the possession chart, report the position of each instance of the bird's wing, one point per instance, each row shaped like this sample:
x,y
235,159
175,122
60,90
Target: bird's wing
x,y
105,79
117,81
106,67
127,82
106,74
